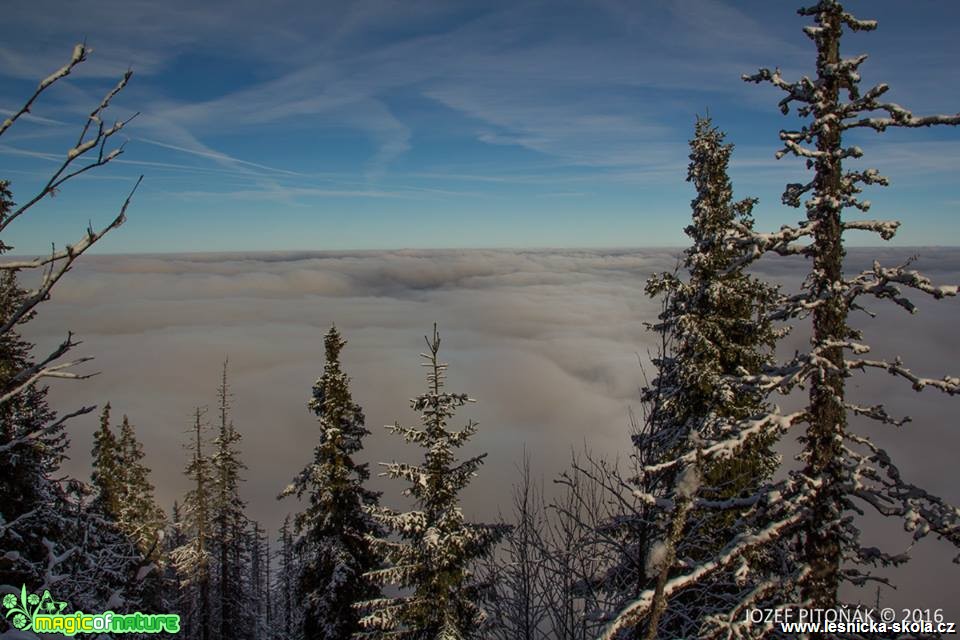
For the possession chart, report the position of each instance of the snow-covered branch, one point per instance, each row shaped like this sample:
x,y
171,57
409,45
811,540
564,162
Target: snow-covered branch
x,y
898,117
742,544
726,448
890,495
79,54
51,428
886,228
70,254
947,384
882,282
45,369
878,413
98,140
753,244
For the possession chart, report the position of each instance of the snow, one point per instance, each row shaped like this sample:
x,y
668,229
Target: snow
x,y
656,558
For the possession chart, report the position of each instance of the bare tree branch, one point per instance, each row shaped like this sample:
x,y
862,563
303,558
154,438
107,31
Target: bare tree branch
x,y
79,54
70,254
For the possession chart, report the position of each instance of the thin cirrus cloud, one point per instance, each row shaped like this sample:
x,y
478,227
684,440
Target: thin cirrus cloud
x,y
385,98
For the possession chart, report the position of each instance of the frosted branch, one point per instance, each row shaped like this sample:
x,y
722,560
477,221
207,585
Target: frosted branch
x,y
882,282
878,413
79,54
98,141
947,384
740,545
69,255
727,447
921,512
45,369
885,228
53,427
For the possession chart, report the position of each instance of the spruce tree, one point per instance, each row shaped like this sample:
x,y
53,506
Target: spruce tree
x,y
124,493
176,598
289,613
140,517
54,537
334,528
714,327
258,580
37,512
106,476
807,522
32,446
123,503
436,551
193,558
227,513
843,470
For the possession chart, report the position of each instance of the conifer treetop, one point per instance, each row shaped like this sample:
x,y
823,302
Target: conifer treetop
x,y
435,548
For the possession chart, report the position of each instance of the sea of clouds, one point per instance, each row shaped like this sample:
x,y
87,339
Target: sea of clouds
x,y
552,344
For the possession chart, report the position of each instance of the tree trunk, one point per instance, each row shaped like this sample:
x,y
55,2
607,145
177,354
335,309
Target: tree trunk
x,y
827,420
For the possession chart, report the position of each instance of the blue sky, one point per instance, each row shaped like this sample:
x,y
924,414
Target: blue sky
x,y
373,125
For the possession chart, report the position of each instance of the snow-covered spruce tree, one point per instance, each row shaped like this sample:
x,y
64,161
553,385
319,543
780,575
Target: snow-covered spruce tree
x,y
123,489
227,541
193,558
843,470
32,445
106,466
813,510
716,326
101,568
139,516
50,535
333,530
434,552
123,500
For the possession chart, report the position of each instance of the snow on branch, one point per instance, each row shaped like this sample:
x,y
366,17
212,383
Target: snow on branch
x,y
68,256
948,384
735,624
878,413
742,544
801,91
45,369
890,495
754,244
79,54
882,282
886,228
728,447
85,143
898,116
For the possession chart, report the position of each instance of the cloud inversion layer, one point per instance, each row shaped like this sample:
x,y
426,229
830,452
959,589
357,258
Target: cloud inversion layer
x,y
548,342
